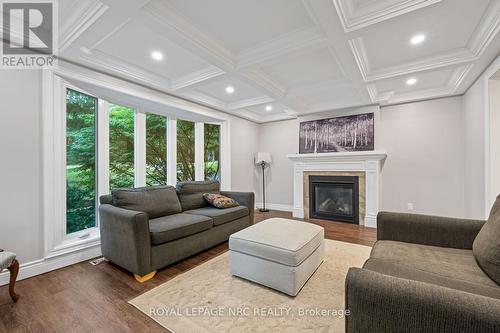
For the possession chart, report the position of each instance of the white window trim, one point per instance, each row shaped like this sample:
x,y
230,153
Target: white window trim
x,y
199,151
54,82
171,152
139,149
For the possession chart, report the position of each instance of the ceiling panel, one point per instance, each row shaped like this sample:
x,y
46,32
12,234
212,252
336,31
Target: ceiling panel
x,y
388,44
134,43
305,69
277,108
242,24
425,81
356,14
337,97
216,88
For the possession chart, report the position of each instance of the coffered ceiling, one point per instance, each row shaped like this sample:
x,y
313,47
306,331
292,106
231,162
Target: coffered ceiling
x,y
285,58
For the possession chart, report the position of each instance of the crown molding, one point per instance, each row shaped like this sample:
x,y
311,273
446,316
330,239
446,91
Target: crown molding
x,y
81,17
266,82
196,77
351,21
290,42
112,64
333,105
165,17
420,95
458,77
249,102
391,97
205,99
486,29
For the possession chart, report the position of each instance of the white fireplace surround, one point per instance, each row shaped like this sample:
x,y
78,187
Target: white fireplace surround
x,y
368,162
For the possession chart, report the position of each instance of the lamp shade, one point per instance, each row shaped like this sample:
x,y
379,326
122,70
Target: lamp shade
x,y
262,157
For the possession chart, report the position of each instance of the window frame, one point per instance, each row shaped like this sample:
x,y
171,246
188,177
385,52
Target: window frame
x,y
53,116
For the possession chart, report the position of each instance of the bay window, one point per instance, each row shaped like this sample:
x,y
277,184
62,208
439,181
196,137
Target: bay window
x,y
92,145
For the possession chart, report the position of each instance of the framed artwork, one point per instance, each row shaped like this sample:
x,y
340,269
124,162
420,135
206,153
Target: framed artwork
x,y
347,133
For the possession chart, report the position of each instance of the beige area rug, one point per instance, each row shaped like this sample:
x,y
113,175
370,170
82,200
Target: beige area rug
x,y
208,299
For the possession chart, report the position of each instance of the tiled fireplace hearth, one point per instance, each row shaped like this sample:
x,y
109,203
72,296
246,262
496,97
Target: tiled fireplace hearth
x,y
364,166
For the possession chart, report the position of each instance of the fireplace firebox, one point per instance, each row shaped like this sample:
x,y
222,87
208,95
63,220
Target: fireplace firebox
x,y
334,198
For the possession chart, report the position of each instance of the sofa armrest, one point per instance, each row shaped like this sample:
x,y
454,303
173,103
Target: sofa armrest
x,y
246,199
125,238
428,230
382,303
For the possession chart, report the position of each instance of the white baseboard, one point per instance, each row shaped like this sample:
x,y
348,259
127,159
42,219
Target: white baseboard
x,y
271,206
41,266
298,213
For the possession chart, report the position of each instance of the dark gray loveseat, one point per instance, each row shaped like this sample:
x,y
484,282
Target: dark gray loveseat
x,y
145,229
428,274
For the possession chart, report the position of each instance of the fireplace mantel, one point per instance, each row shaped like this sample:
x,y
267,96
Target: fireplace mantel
x,y
369,162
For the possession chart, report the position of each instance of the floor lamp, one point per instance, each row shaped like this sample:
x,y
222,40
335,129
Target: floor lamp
x,y
263,159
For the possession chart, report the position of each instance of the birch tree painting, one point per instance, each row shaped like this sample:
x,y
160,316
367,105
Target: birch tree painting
x,y
349,133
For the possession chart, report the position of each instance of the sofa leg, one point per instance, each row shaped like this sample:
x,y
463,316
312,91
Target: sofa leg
x,y
14,270
144,278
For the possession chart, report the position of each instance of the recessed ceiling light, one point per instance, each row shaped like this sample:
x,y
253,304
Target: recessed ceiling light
x,y
417,39
85,50
230,89
411,81
157,55
269,108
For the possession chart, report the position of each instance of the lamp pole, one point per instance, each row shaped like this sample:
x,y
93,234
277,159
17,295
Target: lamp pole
x,y
263,209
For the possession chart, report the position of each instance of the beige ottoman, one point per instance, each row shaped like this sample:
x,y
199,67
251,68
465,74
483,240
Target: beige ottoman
x,y
278,253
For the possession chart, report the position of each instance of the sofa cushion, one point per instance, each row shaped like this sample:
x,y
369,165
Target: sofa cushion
x,y
486,246
221,216
168,228
447,267
156,201
191,193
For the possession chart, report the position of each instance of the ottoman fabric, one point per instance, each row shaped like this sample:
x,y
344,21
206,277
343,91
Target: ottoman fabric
x,y
287,279
278,253
6,259
280,240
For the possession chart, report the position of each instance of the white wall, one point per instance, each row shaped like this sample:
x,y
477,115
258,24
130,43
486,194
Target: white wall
x,y
20,167
244,144
494,99
424,164
474,163
279,139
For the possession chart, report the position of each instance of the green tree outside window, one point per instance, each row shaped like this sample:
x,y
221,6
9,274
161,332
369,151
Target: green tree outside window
x,y
121,146
212,151
81,112
156,149
185,150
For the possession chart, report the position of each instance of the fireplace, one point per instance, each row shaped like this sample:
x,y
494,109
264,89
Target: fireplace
x,y
334,198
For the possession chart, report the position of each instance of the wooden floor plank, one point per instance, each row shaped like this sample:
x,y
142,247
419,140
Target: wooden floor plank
x,y
86,298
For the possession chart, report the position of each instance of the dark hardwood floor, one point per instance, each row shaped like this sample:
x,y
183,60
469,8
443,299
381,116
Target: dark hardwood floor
x,y
86,298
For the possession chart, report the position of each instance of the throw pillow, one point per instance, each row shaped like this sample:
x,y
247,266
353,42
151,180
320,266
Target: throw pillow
x,y
220,201
486,247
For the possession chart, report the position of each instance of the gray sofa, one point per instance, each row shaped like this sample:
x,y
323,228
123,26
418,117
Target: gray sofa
x,y
428,274
145,229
